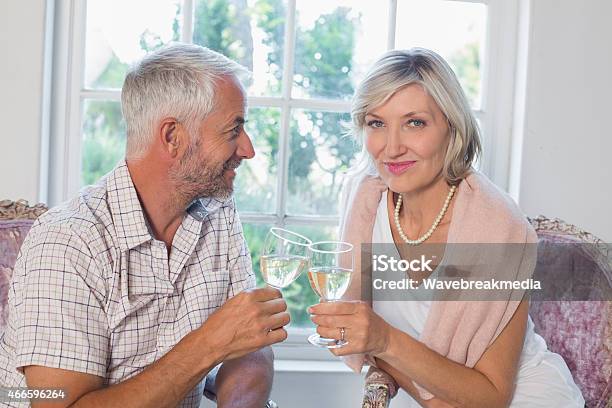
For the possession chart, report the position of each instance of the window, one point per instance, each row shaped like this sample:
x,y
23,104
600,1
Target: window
x,y
307,57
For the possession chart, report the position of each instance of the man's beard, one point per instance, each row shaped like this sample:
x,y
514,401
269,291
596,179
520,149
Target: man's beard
x,y
194,179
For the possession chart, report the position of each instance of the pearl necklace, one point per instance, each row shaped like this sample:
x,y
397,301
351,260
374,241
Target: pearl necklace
x,y
421,239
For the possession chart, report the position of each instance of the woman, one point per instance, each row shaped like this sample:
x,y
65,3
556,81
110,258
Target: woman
x,y
418,186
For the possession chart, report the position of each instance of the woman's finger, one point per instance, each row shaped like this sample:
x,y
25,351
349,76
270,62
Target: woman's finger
x,y
345,350
331,332
333,320
334,308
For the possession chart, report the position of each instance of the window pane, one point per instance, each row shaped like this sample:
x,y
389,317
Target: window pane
x,y
255,184
248,31
320,154
103,139
121,32
299,295
336,41
454,29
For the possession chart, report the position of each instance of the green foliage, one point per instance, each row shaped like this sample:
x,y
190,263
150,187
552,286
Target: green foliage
x,y
323,61
213,26
315,190
270,18
324,55
103,139
466,64
176,34
256,191
113,74
256,234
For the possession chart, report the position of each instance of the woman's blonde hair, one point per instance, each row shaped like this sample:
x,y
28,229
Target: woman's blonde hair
x,y
399,68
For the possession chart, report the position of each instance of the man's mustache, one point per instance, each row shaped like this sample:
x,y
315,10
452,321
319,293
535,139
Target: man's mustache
x,y
232,164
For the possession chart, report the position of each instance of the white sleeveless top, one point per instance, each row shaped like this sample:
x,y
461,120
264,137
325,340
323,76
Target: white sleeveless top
x,y
543,379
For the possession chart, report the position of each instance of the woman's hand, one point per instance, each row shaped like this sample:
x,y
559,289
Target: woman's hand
x,y
364,330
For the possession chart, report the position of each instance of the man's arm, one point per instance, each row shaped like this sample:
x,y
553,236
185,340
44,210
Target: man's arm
x,y
249,321
162,384
247,381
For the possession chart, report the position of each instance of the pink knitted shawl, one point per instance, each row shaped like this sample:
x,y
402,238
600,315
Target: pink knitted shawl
x,y
482,213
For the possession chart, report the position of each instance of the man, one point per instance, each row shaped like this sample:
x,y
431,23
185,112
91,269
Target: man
x,y
131,293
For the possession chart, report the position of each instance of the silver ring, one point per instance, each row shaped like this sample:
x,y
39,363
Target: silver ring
x,y
342,331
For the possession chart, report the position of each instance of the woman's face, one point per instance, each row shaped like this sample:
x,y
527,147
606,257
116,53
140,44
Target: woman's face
x,y
407,138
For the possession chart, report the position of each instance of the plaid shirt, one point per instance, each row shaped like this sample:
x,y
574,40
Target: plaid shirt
x,y
94,292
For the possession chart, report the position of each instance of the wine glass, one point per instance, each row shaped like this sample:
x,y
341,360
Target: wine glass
x,y
331,267
284,257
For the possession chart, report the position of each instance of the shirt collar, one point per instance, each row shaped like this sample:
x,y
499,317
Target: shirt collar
x,y
202,207
126,211
129,219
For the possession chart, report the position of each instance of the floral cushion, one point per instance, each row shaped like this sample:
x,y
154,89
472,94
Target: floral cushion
x,y
12,234
578,330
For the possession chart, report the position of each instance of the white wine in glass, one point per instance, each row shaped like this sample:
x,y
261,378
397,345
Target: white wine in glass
x,y
329,283
284,257
280,271
330,271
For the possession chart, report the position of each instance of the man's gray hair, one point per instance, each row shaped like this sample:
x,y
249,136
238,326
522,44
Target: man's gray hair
x,y
177,81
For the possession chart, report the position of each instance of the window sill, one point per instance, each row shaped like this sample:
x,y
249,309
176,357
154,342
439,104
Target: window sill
x,y
296,354
312,366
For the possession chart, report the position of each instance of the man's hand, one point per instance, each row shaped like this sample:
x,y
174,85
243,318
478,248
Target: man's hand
x,y
247,322
365,331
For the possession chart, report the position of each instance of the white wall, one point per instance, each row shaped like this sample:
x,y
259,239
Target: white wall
x,y
566,166
22,28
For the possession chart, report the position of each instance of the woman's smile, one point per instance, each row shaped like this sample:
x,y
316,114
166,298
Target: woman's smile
x,y
397,168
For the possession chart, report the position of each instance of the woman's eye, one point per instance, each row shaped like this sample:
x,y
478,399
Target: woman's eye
x,y
416,123
375,124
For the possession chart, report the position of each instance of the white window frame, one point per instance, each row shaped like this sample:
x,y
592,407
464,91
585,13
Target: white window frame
x,y
64,156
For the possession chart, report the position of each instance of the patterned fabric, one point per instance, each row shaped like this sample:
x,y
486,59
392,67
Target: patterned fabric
x,y
379,389
12,233
580,331
376,396
377,376
94,292
20,209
